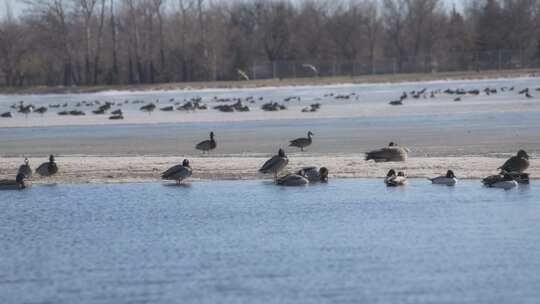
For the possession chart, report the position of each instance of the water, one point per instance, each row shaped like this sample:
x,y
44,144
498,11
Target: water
x,y
349,241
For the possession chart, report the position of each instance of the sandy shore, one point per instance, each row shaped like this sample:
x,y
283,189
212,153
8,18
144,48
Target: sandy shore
x,y
98,169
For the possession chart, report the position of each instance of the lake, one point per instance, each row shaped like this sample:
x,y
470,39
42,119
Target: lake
x,y
348,241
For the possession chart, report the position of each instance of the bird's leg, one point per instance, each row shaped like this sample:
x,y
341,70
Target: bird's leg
x,y
275,177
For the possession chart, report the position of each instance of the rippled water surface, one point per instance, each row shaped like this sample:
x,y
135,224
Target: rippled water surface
x,y
349,241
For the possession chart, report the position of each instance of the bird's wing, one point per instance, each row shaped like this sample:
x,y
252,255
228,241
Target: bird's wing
x,y
172,171
43,169
203,145
270,164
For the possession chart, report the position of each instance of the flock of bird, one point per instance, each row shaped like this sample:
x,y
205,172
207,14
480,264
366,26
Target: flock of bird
x,y
511,172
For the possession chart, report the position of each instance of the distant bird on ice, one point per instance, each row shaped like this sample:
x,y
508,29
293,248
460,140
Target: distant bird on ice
x,y
302,142
207,145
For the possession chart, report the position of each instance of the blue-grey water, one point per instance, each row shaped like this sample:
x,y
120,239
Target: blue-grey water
x,y
348,241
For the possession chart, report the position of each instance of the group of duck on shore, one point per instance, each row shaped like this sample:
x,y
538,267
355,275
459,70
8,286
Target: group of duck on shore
x,y
511,172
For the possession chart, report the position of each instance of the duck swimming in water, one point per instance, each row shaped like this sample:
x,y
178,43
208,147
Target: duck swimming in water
x,y
302,142
207,145
25,168
178,173
275,164
503,181
392,153
292,180
449,179
49,168
517,163
393,180
314,174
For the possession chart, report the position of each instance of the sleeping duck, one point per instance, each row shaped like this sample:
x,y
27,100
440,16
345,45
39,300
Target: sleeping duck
x,y
503,181
449,179
393,180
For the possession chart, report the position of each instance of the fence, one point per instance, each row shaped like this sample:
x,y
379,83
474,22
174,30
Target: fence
x,y
452,62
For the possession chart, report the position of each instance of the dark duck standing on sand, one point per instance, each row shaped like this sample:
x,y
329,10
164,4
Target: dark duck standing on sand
x,y
178,173
25,168
49,168
275,164
302,142
517,163
207,145
392,153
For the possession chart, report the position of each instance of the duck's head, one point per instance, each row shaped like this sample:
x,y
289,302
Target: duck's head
x,y
51,158
400,173
391,173
323,173
212,135
450,174
391,144
309,134
26,161
185,163
281,153
522,154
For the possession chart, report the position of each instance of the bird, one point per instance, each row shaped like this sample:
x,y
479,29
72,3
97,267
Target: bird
x,y
503,181
292,180
207,145
178,173
388,154
393,180
516,164
302,142
314,174
449,179
25,168
18,184
49,168
275,164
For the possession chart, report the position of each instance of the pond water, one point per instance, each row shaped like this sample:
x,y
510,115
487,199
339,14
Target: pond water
x,y
348,241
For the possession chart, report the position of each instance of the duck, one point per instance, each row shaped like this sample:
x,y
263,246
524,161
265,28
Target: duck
x,y
25,168
393,180
392,153
314,174
449,179
207,145
49,168
178,173
292,180
503,181
517,163
18,184
275,164
302,142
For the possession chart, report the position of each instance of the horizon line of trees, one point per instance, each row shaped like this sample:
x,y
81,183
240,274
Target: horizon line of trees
x,y
94,42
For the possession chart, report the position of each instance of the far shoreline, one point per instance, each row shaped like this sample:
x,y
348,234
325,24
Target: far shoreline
x,y
250,84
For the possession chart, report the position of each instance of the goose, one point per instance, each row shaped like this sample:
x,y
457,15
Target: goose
x,y
388,154
292,180
517,163
314,174
449,179
49,168
503,181
207,145
302,142
25,168
178,173
275,164
18,184
393,180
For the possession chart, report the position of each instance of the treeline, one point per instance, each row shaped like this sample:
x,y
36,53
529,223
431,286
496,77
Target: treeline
x,y
92,42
